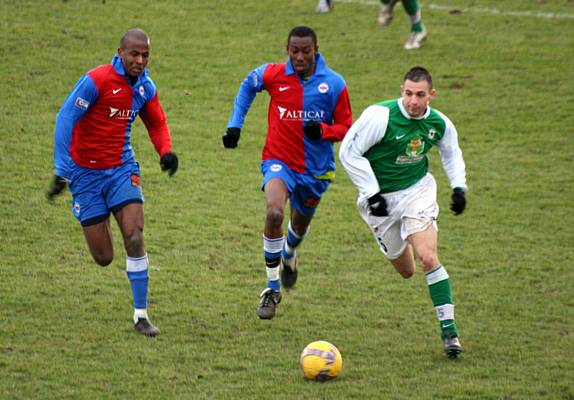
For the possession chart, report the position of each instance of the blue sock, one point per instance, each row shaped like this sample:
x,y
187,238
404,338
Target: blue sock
x,y
137,270
292,242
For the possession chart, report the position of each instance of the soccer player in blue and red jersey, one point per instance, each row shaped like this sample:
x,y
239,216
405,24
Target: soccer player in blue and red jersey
x,y
93,154
309,111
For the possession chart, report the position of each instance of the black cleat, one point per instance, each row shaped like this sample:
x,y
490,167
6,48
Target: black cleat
x,y
269,300
289,272
452,346
145,327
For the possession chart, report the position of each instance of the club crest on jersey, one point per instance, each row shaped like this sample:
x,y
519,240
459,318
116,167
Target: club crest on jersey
x,y
432,133
142,90
82,103
276,167
323,87
122,114
300,115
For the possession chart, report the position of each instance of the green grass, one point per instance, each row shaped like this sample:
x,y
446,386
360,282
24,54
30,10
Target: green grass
x,y
504,79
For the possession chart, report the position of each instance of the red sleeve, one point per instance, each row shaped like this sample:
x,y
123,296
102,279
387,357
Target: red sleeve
x,y
154,119
342,119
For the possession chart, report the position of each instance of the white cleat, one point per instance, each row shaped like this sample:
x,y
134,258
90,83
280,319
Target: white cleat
x,y
386,15
415,40
324,6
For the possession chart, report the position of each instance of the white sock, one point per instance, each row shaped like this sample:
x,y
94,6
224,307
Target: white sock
x,y
140,313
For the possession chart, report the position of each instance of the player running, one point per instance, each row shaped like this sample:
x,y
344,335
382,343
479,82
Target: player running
x,y
309,111
385,154
93,154
418,31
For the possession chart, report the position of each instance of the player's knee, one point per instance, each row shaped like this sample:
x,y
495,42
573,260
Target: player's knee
x,y
429,261
407,274
274,216
134,242
103,260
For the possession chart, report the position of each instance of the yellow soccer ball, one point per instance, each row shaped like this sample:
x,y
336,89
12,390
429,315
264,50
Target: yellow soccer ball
x,y
321,361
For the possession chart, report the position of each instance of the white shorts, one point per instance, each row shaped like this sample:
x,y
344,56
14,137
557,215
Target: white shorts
x,y
411,210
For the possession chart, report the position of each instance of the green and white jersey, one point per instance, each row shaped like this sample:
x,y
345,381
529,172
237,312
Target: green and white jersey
x,y
386,150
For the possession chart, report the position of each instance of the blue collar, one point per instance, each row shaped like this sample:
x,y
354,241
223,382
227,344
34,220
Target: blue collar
x,y
320,66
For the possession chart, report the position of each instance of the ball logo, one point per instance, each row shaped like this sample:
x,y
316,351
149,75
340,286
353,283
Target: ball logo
x,y
323,87
276,167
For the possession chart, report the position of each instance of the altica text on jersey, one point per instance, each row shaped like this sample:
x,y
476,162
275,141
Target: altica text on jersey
x,y
300,115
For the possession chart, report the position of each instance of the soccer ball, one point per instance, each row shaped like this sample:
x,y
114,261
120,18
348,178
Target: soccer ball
x,y
321,361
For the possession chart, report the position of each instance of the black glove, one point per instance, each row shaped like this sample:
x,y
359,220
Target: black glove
x,y
57,186
231,138
313,130
169,162
378,205
458,201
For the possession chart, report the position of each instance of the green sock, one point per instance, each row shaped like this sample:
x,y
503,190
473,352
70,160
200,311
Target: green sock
x,y
441,295
417,27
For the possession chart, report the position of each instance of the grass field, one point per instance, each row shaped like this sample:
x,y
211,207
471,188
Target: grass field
x,y
503,71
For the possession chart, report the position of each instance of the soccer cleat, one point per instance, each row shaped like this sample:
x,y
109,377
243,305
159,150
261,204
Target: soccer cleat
x,y
324,6
452,346
415,40
289,272
386,15
145,327
269,300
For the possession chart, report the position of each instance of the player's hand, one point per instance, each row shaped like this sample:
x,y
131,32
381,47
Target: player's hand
x,y
57,186
378,205
169,162
458,201
231,138
313,130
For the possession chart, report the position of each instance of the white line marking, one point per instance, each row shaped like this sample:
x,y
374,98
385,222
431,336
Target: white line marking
x,y
495,11
481,10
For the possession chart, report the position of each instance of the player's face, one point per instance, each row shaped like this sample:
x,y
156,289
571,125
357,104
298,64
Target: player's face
x,y
416,97
135,56
302,53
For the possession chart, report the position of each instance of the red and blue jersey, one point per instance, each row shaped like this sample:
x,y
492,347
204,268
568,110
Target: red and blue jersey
x,y
294,102
93,126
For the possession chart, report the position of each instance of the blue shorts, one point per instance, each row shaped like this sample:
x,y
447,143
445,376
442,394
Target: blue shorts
x,y
97,192
305,191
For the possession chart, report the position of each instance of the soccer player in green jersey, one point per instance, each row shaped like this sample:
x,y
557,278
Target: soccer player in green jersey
x,y
418,32
385,154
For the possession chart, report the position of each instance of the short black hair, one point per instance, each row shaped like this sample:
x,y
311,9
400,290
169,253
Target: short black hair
x,y
302,31
135,33
418,74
